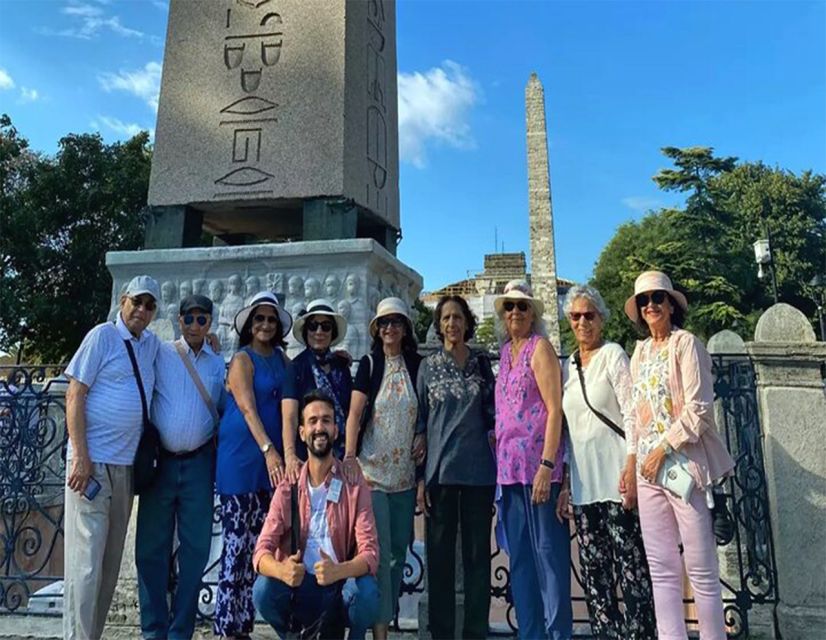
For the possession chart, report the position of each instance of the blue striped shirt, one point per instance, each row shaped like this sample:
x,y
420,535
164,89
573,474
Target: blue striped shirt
x,y
114,420
178,410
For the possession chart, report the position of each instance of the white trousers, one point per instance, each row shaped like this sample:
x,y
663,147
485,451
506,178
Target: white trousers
x,y
93,533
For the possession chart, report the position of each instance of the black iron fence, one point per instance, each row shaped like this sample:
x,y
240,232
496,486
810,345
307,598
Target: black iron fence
x,y
32,476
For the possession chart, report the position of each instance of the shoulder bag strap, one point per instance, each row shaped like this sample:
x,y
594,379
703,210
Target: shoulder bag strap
x,y
198,382
137,372
295,519
603,418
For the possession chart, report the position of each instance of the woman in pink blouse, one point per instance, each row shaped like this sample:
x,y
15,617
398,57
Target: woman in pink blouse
x,y
673,399
529,467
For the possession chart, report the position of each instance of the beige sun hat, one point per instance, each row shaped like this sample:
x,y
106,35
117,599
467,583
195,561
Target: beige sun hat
x,y
518,290
320,307
652,281
391,307
266,299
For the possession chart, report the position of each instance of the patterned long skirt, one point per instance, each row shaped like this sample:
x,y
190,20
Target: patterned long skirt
x,y
242,517
611,551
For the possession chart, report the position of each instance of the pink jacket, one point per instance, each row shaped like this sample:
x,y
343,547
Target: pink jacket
x,y
351,522
692,431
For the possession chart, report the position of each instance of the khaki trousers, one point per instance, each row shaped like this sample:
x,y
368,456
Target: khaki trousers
x,y
94,532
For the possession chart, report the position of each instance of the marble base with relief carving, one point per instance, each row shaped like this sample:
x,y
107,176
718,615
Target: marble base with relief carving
x,y
352,274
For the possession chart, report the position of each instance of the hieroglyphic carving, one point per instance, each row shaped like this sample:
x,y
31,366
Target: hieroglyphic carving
x,y
249,51
376,195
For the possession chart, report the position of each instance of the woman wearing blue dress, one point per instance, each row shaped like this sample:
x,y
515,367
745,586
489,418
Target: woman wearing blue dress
x,y
250,455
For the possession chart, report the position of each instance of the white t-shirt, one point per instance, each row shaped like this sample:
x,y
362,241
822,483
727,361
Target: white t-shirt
x,y
597,455
319,533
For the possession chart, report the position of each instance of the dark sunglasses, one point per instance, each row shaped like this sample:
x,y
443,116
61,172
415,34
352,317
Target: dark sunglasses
x,y
588,315
314,325
260,317
148,304
657,297
521,305
201,320
389,321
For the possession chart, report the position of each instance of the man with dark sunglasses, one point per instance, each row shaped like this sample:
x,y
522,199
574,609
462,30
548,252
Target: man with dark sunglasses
x,y
104,419
189,393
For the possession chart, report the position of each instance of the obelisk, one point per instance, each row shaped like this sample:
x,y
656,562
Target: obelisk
x,y
543,260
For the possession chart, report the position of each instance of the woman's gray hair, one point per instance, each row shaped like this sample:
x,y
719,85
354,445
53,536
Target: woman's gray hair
x,y
537,326
591,295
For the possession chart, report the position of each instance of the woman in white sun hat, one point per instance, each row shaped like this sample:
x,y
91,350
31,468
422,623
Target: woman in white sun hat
x,y
319,327
382,443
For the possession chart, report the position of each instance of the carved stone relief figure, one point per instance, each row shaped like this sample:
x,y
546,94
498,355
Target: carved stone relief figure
x,y
294,347
275,282
199,286
252,285
168,307
216,291
232,304
353,295
312,289
185,288
295,289
332,287
352,339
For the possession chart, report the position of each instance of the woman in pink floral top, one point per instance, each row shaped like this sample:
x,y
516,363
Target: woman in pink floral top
x,y
529,450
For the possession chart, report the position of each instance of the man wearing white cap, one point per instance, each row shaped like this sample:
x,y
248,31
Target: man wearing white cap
x,y
104,419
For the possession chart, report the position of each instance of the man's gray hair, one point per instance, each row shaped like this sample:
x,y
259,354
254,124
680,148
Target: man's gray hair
x,y
591,295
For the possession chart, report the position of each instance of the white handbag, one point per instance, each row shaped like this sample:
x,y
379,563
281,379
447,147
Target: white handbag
x,y
675,476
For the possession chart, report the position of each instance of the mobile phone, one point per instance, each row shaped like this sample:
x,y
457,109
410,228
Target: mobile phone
x,y
92,488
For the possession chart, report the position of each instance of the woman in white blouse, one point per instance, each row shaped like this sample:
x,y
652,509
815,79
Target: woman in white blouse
x,y
597,403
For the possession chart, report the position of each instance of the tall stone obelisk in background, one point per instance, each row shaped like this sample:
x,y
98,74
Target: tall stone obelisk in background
x,y
540,209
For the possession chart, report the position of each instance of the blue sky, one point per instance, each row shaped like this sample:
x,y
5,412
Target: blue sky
x,y
622,80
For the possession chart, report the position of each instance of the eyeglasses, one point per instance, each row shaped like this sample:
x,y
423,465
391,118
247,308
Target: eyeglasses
x,y
201,320
657,297
147,303
587,315
314,325
260,317
389,321
521,305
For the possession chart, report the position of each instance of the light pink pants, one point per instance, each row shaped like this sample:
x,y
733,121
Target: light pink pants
x,y
666,520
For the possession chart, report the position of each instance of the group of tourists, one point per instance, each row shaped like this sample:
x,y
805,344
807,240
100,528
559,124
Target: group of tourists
x,y
318,474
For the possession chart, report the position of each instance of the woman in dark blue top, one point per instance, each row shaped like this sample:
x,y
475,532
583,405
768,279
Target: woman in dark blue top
x,y
250,454
319,327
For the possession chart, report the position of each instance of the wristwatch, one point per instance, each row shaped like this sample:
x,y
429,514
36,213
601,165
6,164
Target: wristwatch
x,y
547,463
667,447
266,447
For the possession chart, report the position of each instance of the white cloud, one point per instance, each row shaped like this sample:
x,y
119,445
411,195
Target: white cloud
x,y
28,95
123,129
89,21
434,106
5,80
641,203
144,83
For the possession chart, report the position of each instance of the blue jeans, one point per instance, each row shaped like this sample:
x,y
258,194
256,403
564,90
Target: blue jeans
x,y
540,563
182,497
353,603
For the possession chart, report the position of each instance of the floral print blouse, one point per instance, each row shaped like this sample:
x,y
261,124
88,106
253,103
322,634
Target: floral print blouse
x,y
386,453
652,393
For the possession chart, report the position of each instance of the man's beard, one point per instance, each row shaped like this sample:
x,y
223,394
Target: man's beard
x,y
322,449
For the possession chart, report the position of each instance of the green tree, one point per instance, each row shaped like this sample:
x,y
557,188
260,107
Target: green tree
x,y
59,216
486,334
422,319
706,247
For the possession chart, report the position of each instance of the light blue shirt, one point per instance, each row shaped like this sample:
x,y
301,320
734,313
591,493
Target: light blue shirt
x,y
114,420
178,410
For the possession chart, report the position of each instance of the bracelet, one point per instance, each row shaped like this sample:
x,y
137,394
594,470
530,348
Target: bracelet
x,y
547,463
349,456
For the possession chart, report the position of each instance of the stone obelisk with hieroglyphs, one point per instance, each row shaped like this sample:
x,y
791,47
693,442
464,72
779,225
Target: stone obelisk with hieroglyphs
x,y
543,260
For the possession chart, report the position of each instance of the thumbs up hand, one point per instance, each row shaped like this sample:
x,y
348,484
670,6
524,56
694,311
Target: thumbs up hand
x,y
293,570
326,570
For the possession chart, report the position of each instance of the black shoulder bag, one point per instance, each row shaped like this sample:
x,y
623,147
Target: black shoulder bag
x,y
145,467
605,419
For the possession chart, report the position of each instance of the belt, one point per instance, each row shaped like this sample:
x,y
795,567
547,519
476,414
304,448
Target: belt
x,y
183,455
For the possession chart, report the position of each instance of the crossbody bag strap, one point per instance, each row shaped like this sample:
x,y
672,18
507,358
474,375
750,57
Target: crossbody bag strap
x,y
608,422
295,519
138,379
197,380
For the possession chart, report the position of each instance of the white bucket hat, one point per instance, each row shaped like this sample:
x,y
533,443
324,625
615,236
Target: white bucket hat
x,y
519,290
263,299
320,307
652,281
391,307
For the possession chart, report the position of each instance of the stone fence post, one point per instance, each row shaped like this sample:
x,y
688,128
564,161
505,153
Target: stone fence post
x,y
792,405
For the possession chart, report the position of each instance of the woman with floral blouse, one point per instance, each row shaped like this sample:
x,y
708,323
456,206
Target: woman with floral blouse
x,y
456,412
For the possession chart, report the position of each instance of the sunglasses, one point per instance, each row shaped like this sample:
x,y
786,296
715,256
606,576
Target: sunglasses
x,y
521,305
391,321
314,325
260,317
147,303
657,297
201,320
587,315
